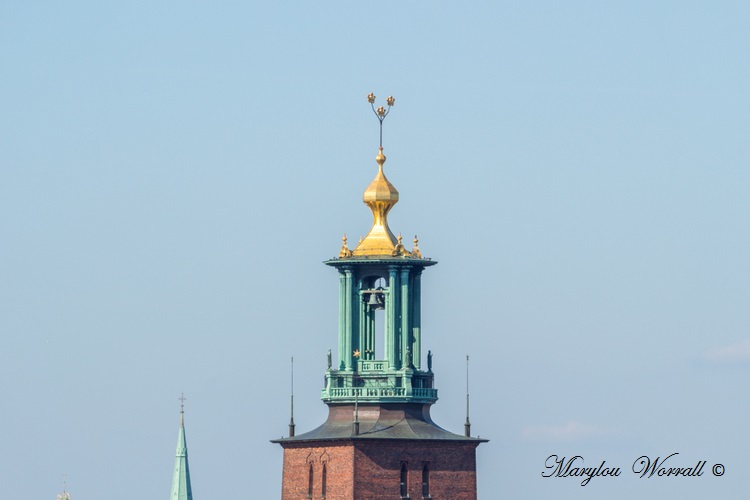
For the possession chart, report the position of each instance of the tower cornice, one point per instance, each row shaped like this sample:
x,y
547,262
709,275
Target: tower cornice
x,y
379,259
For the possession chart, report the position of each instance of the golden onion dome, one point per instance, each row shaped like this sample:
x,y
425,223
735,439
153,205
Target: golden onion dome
x,y
380,196
380,189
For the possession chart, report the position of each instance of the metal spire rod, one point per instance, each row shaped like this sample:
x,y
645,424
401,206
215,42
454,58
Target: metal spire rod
x,y
182,399
356,412
291,418
467,424
64,495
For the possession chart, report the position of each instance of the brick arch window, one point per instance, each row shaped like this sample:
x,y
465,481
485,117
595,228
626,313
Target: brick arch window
x,y
404,481
324,475
310,483
426,480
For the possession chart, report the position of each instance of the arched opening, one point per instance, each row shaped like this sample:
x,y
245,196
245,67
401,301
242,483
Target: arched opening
x,y
310,483
374,326
324,475
404,481
379,322
426,480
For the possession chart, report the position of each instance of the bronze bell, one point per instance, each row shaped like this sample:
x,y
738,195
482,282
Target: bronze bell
x,y
376,301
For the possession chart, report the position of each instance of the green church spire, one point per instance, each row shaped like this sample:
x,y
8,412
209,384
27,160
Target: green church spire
x,y
181,480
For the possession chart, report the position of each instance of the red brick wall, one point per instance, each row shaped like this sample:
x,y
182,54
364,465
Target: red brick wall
x,y
371,470
378,469
339,462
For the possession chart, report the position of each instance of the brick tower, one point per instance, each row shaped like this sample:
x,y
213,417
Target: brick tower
x,y
379,441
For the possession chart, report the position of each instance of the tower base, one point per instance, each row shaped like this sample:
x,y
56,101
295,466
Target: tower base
x,y
399,453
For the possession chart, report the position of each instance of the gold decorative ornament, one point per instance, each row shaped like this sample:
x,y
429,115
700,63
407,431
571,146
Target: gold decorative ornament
x,y
415,251
345,252
381,112
400,250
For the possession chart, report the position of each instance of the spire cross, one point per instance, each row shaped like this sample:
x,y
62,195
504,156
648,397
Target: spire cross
x,y
182,399
381,112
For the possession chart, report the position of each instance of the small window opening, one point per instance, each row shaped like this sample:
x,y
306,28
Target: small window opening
x,y
404,481
426,480
310,483
323,487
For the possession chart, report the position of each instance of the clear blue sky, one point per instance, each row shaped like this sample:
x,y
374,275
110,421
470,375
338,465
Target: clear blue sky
x,y
172,175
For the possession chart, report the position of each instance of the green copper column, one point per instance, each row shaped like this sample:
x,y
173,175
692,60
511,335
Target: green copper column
x,y
388,328
370,331
416,317
365,322
392,325
405,325
348,319
369,327
359,336
342,319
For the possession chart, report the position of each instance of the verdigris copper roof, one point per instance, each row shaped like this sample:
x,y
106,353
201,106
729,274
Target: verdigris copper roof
x,y
181,489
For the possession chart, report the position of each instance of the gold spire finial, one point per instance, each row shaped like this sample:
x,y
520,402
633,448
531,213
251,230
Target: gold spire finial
x,y
380,196
381,112
380,158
